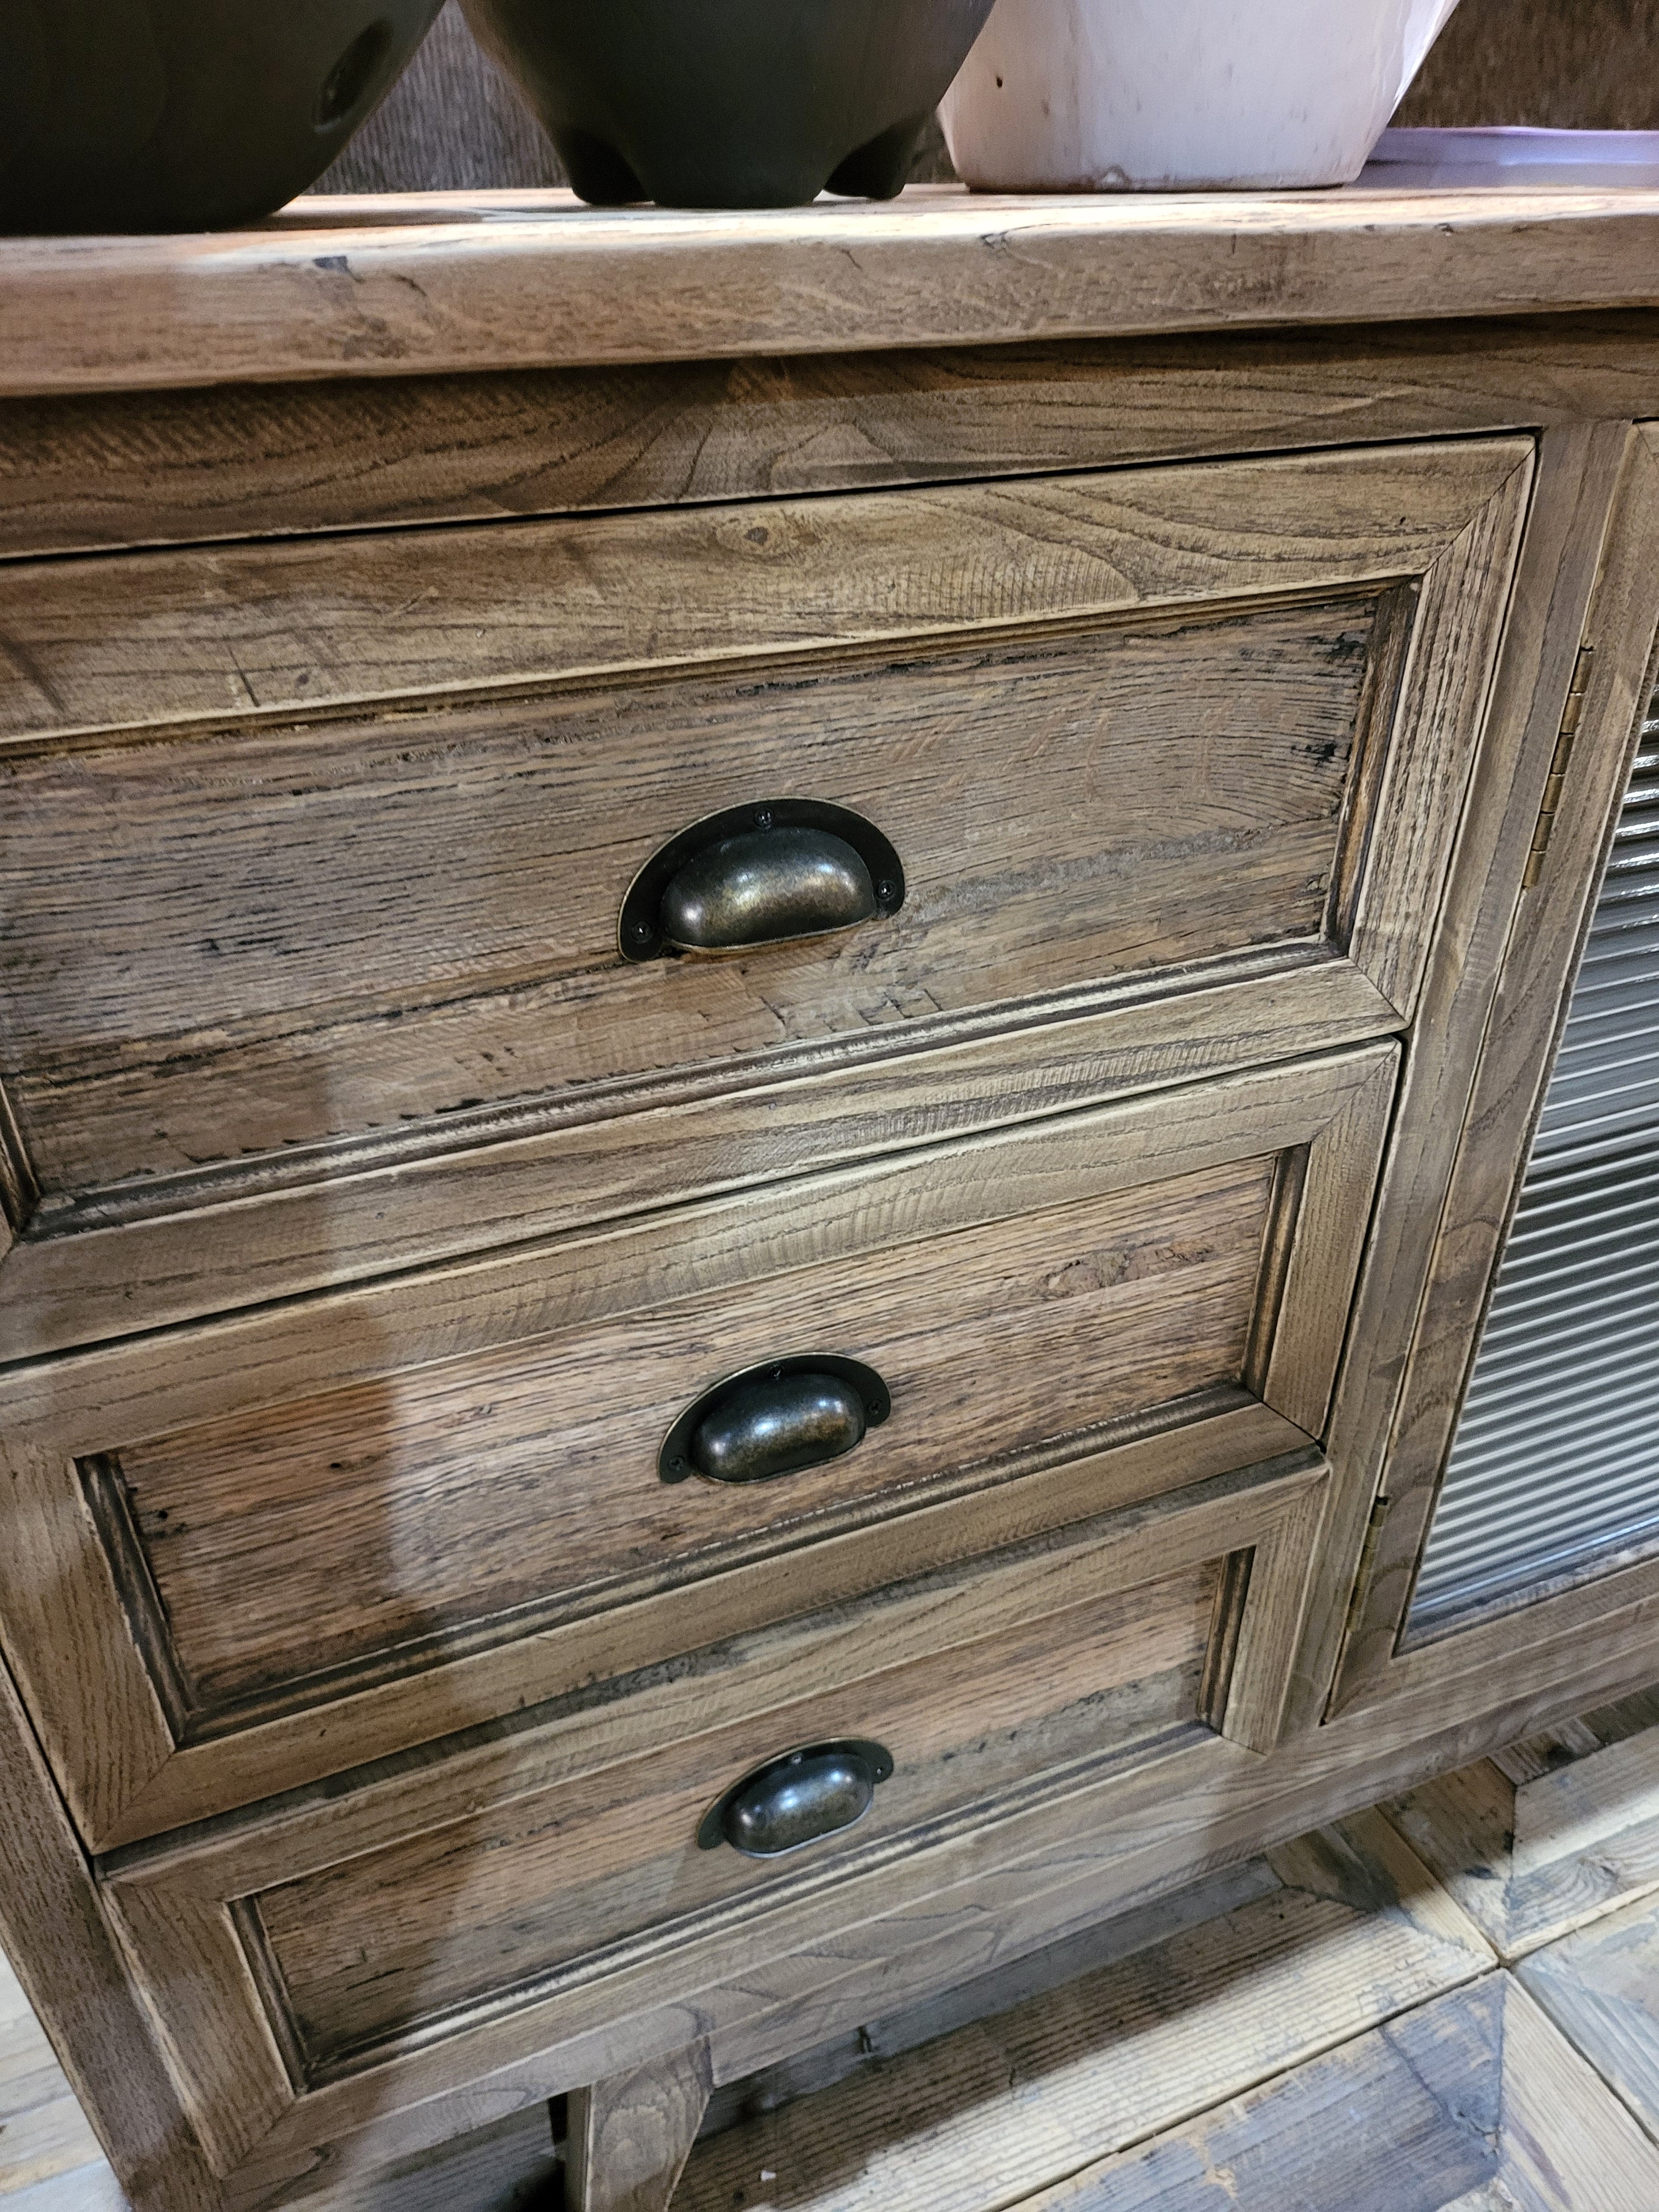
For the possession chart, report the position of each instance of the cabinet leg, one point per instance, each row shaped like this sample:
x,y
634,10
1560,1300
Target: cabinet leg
x,y
630,2136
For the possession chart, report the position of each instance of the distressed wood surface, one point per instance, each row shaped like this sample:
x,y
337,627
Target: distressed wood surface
x,y
74,1976
1471,2104
110,1730
631,2135
976,1644
1540,963
752,1977
321,1533
501,2165
1581,471
159,1034
1600,1987
1569,2142
1345,1930
1115,1844
1550,1833
117,470
315,985
296,627
504,1178
371,1947
445,281
43,2131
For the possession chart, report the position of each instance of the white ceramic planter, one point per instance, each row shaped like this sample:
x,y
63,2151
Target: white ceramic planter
x,y
1173,95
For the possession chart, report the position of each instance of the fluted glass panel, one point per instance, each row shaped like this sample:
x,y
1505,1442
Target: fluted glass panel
x,y
1555,1468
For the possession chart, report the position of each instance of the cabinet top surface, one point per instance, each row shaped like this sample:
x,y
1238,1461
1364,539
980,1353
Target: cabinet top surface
x,y
424,283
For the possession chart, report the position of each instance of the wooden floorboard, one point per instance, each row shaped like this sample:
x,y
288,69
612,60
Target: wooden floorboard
x,y
43,2135
1600,1987
1550,1833
87,2189
1348,1929
1471,2101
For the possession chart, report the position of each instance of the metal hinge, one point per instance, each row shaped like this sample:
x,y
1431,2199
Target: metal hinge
x,y
1558,776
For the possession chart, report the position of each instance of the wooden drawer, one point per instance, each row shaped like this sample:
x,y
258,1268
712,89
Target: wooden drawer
x,y
430,1925
315,1536
1172,757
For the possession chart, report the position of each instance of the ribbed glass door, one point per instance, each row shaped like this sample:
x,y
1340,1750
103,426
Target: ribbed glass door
x,y
1554,1473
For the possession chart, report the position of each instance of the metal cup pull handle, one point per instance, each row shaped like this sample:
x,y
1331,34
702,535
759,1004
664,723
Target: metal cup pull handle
x,y
797,1799
779,1418
771,873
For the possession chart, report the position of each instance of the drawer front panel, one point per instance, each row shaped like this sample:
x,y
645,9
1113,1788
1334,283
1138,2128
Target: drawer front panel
x,y
332,1531
459,1915
1168,721
432,1921
279,939
233,632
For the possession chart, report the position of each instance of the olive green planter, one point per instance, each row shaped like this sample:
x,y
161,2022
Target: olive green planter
x,y
184,114
731,103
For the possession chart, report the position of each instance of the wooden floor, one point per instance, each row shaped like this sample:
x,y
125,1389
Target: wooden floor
x,y
1448,2004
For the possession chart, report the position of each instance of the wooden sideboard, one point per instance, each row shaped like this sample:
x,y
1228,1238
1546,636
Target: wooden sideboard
x,y
1178,606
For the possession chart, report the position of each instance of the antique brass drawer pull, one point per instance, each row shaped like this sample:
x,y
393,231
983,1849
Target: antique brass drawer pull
x,y
796,1799
776,1419
766,874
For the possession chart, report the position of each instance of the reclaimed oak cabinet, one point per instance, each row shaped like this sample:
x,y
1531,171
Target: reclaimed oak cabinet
x,y
770,994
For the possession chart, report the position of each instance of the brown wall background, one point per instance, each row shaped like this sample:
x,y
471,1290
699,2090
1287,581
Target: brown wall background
x,y
454,123
1563,65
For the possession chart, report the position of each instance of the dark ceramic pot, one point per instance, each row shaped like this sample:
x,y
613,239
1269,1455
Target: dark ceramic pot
x,y
731,103
184,114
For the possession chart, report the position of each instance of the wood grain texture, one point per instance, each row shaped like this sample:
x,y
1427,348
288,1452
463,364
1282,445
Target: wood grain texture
x,y
1334,1109
98,472
436,283
630,2135
494,1178
1599,1985
1346,1930
75,1979
1116,1843
505,2166
1568,2140
43,2131
369,1949
227,2048
1581,471
1204,1439
161,1034
1471,2104
66,1597
324,1857
1553,1833
1540,963
297,627
1068,814
328,1532
1092,1814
